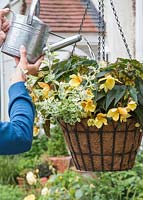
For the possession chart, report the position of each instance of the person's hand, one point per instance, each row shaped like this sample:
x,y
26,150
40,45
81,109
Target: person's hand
x,y
4,24
23,63
24,67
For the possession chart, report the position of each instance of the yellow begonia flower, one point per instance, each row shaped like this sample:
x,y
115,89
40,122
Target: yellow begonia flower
x,y
30,197
35,131
88,105
45,92
40,74
46,88
124,118
89,93
34,97
137,125
122,111
100,120
131,106
115,113
75,80
90,122
109,83
36,119
44,85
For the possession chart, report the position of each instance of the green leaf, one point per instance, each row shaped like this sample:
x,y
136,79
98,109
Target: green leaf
x,y
137,65
72,65
133,92
101,74
140,99
109,99
139,114
115,95
79,194
139,85
98,95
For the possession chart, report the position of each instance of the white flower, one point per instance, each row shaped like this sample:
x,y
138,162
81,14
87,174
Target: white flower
x,y
45,191
30,197
31,178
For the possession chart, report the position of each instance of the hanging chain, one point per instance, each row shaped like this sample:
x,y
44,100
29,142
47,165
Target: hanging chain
x,y
120,29
52,33
83,18
81,24
101,31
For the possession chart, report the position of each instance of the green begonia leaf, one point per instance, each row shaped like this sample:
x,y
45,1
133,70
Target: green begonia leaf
x,y
115,95
139,114
133,92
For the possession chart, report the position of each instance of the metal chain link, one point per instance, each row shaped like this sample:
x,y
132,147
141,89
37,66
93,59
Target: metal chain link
x,y
81,24
83,18
120,29
101,31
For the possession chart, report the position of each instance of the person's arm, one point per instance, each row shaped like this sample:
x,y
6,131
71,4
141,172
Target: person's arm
x,y
16,135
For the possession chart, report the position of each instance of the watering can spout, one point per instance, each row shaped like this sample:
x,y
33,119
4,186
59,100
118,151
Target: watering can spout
x,y
63,43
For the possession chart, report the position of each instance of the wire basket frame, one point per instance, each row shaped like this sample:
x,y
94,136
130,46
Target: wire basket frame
x,y
111,148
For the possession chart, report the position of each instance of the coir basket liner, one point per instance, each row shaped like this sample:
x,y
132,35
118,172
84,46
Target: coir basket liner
x,y
110,148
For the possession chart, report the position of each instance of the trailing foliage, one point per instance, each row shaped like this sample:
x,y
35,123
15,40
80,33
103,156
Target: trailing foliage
x,y
79,88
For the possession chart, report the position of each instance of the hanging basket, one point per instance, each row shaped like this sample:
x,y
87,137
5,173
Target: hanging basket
x,y
110,148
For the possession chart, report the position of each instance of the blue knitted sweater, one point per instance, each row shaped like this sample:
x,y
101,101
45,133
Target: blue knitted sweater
x,y
16,135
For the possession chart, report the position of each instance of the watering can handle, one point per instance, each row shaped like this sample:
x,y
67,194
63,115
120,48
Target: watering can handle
x,y
35,7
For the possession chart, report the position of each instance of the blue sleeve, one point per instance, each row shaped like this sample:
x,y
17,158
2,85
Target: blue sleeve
x,y
16,135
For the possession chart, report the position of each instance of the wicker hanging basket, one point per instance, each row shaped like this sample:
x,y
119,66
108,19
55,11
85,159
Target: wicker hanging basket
x,y
111,148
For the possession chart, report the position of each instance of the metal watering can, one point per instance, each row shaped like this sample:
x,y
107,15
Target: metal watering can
x,y
31,32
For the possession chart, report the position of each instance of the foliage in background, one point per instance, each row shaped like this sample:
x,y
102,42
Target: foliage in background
x,y
31,159
9,169
9,192
39,146
56,143
125,185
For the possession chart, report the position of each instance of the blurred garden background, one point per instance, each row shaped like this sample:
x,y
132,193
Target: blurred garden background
x,y
33,176
47,172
